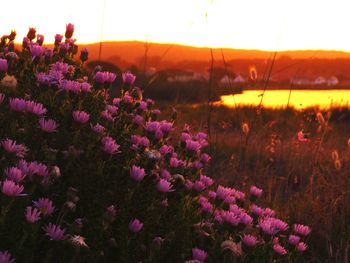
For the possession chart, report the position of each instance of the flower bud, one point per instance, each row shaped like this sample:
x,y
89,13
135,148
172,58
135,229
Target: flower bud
x,y
31,33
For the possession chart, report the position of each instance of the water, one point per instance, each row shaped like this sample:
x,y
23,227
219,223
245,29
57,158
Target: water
x,y
299,99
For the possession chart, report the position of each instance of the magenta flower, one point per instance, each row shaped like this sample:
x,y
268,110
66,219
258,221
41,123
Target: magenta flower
x,y
137,173
199,254
245,218
301,229
128,78
212,194
272,226
60,67
98,128
45,206
188,185
38,168
257,210
192,146
18,104
100,77
164,186
81,116
198,186
5,257
249,240
36,50
205,158
32,214
58,39
54,232
302,247
78,241
3,65
15,174
70,85
2,97
85,87
223,192
301,137
69,30
279,249
109,77
48,125
206,180
255,191
109,145
135,226
293,239
35,108
12,147
40,39
12,189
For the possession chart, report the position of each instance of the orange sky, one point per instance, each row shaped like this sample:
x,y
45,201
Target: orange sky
x,y
248,24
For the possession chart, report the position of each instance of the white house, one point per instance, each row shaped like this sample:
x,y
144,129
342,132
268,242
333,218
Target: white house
x,y
332,81
300,81
320,81
226,80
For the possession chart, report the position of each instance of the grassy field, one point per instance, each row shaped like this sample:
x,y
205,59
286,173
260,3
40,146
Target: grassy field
x,y
305,181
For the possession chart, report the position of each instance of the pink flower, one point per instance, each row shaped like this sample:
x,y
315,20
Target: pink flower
x,y
293,239
11,147
301,229
81,116
164,186
15,174
137,173
48,125
128,78
109,77
40,39
109,145
245,218
301,137
69,30
302,247
18,104
188,185
205,158
38,168
135,226
85,87
272,226
5,257
257,210
222,192
279,249
32,214
212,194
45,206
249,240
58,39
78,241
198,186
206,180
54,232
12,189
100,77
3,65
98,128
35,108
70,85
199,254
192,145
255,191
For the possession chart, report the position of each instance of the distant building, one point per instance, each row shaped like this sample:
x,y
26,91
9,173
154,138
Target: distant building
x,y
226,80
320,81
300,81
332,81
186,76
239,80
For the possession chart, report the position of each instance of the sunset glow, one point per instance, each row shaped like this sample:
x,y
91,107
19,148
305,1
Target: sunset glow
x,y
250,24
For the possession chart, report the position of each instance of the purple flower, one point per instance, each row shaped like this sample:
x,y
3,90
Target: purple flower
x,y
302,247
3,65
18,104
255,191
54,232
128,78
301,229
109,145
192,146
293,239
223,192
257,210
135,226
279,249
69,30
198,186
100,77
245,218
272,226
45,206
60,66
249,240
36,50
199,254
32,214
15,174
212,194
70,85
188,185
137,173
48,125
38,168
81,116
12,189
109,77
205,158
164,186
85,87
11,147
5,257
206,180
